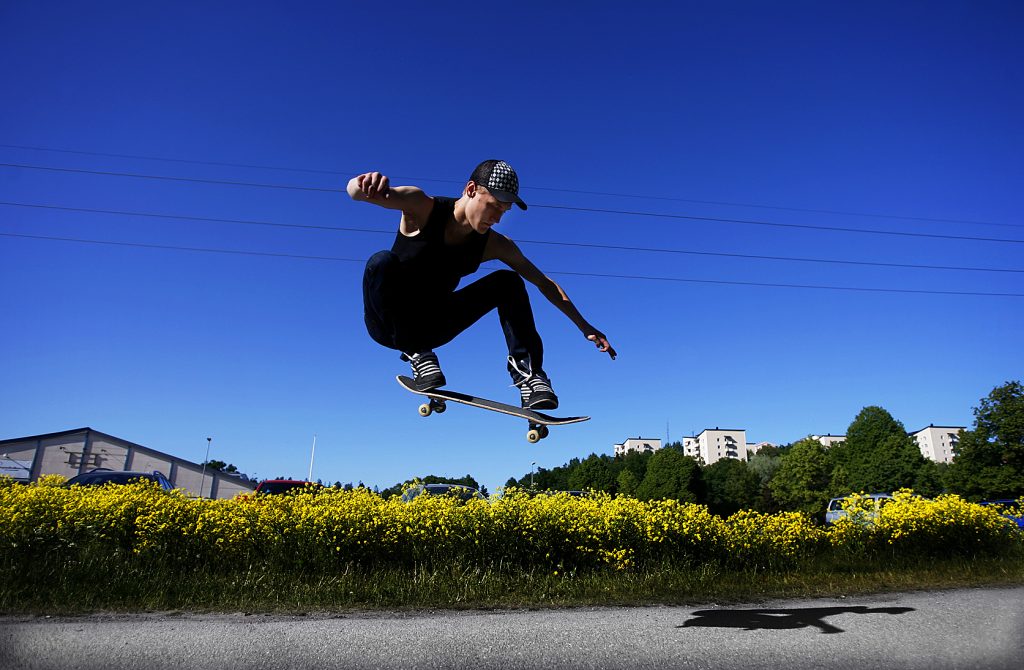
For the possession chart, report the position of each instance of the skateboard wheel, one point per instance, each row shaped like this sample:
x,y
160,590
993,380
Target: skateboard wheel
x,y
543,432
439,406
533,436
425,409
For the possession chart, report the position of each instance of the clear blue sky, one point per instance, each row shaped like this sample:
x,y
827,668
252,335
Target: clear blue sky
x,y
909,112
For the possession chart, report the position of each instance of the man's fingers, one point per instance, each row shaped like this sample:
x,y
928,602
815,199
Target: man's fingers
x,y
601,342
373,185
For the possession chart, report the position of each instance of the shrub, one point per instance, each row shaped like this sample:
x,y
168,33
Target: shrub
x,y
333,530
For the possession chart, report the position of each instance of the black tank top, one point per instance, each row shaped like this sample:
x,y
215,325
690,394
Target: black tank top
x,y
430,263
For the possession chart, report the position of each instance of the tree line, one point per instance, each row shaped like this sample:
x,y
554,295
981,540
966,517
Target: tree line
x,y
877,456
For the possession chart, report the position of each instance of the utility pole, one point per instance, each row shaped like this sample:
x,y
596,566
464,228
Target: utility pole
x,y
202,482
311,454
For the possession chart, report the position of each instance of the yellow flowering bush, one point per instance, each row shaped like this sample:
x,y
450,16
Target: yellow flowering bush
x,y
946,525
911,526
772,540
331,530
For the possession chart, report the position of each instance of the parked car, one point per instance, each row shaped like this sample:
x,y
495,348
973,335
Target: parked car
x,y
464,493
101,476
835,510
1009,508
279,486
571,494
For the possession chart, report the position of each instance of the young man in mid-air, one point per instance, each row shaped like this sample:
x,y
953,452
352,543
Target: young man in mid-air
x,y
409,293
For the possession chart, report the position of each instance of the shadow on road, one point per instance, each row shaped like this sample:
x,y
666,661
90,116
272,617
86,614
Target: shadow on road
x,y
781,619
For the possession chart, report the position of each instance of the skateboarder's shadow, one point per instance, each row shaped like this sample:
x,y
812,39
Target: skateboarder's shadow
x,y
781,619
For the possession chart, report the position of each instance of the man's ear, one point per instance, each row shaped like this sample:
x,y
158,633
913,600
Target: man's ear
x,y
470,189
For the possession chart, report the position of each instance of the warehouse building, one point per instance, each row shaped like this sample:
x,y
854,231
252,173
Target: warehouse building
x,y
73,452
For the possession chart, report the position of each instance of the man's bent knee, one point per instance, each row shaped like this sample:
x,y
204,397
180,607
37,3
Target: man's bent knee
x,y
509,281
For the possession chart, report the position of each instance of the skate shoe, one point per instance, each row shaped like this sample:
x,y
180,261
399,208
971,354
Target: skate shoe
x,y
534,385
426,371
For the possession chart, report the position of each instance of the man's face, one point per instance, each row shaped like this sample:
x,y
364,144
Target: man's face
x,y
484,210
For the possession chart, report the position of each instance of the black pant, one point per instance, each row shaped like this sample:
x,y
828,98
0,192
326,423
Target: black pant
x,y
399,315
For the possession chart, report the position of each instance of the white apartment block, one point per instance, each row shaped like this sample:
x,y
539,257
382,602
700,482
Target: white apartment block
x,y
829,440
938,442
754,447
640,444
715,444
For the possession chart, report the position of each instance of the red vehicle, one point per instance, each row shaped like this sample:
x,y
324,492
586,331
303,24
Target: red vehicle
x,y
278,486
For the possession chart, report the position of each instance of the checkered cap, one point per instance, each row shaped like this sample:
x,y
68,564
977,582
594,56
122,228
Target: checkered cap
x,y
500,180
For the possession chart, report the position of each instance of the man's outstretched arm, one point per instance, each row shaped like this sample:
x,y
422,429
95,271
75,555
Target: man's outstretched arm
x,y
376,189
501,248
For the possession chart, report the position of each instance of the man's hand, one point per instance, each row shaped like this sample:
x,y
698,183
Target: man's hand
x,y
598,338
373,186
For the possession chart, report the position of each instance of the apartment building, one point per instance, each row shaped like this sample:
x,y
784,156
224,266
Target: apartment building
x,y
754,447
829,440
640,444
713,444
938,442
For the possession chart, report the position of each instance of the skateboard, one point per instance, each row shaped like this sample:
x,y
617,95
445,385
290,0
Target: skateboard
x,y
538,421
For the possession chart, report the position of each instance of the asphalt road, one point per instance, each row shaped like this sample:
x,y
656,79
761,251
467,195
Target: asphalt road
x,y
971,628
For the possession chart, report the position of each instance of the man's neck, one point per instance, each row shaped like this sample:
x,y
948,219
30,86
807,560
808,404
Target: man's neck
x,y
461,229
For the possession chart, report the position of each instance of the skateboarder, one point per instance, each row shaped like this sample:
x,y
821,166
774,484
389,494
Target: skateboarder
x,y
409,293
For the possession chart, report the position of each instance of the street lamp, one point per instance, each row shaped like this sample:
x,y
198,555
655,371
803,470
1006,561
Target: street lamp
x,y
534,464
202,482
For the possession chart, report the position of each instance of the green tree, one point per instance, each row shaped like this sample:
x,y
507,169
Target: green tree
x,y
765,463
839,482
636,462
221,466
802,480
931,479
730,486
627,482
555,479
771,450
670,474
989,461
877,454
595,472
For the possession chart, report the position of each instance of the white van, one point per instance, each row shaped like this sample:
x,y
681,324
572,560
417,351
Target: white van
x,y
835,506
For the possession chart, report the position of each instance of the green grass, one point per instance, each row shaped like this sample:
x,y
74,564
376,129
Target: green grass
x,y
85,588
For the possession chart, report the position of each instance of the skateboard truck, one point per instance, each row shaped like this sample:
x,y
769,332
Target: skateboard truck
x,y
435,405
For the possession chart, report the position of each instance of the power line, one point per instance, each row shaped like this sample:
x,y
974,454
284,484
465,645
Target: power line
x,y
779,225
769,258
176,160
519,241
805,210
202,219
808,286
192,180
556,272
208,250
558,207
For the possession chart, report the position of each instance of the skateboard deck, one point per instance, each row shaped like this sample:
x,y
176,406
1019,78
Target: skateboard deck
x,y
538,421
